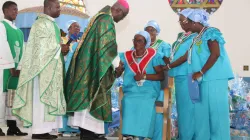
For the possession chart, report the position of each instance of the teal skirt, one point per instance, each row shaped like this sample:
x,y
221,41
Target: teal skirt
x,y
138,115
212,113
185,109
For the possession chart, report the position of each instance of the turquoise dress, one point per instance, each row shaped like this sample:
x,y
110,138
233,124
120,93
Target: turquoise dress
x,y
70,55
185,107
212,113
66,129
164,50
138,103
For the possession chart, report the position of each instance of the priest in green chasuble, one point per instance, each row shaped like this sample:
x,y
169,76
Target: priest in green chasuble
x,y
90,75
39,101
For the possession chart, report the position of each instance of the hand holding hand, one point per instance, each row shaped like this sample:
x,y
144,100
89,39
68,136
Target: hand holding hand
x,y
138,77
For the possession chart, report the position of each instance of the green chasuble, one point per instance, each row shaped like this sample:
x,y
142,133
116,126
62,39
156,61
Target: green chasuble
x,y
41,59
91,74
15,40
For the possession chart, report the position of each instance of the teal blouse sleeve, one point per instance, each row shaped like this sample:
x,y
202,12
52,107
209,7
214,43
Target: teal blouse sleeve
x,y
165,50
157,60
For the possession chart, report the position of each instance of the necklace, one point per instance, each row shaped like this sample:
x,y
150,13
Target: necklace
x,y
179,41
196,39
152,43
136,56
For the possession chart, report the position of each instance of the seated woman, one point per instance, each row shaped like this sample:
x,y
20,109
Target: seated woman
x,y
141,87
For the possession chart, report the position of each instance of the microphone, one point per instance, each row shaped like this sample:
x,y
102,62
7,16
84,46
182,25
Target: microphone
x,y
80,35
74,37
69,41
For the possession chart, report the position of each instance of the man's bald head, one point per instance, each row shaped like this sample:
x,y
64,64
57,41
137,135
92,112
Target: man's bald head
x,y
120,10
52,8
123,6
47,3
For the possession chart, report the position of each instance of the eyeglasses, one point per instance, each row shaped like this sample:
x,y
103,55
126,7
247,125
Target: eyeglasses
x,y
151,30
138,41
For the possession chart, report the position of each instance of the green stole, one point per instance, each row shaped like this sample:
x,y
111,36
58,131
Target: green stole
x,y
58,39
157,44
15,40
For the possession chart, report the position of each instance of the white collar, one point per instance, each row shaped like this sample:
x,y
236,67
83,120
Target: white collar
x,y
12,24
9,22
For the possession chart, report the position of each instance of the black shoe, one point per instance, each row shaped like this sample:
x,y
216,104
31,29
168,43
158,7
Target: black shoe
x,y
2,133
129,138
87,138
13,129
88,135
101,137
15,132
43,136
94,137
54,136
81,133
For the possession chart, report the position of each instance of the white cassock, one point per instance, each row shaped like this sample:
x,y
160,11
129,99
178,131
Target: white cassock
x,y
39,126
84,120
6,62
